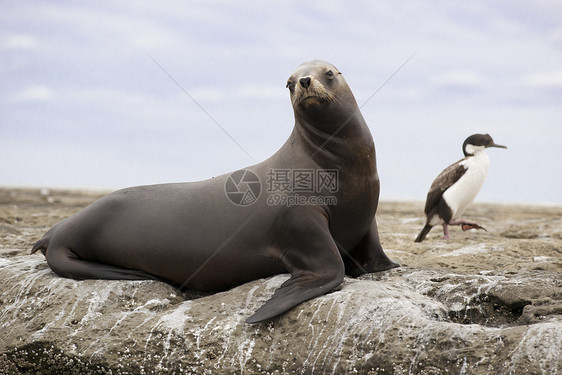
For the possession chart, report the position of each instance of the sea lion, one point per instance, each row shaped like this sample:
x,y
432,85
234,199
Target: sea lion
x,y
308,210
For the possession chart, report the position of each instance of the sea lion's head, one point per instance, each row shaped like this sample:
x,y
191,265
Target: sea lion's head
x,y
318,89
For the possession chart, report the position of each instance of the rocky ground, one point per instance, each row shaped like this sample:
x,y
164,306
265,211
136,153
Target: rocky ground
x,y
479,303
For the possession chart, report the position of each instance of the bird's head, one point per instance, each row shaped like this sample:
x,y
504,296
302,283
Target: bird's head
x,y
478,142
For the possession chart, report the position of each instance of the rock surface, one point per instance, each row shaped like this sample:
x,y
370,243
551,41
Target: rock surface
x,y
479,303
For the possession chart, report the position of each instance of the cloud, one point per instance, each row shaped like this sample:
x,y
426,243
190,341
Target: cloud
x,y
238,92
544,80
33,94
556,37
255,92
461,79
18,42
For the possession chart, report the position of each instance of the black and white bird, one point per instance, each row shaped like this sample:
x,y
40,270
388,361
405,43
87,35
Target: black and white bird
x,y
457,186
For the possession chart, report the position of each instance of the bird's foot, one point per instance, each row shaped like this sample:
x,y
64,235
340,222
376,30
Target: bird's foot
x,y
445,237
468,226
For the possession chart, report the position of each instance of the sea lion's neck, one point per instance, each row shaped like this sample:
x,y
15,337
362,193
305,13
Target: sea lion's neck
x,y
347,142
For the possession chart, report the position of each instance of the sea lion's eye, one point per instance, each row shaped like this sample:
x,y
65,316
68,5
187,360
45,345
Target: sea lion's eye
x,y
330,74
289,84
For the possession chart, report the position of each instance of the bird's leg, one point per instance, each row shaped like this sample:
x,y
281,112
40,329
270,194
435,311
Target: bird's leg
x,y
466,225
445,232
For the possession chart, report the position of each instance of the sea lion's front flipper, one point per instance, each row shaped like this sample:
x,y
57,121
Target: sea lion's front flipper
x,y
311,256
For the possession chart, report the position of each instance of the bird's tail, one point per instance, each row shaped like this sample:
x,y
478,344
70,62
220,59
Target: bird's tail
x,y
423,233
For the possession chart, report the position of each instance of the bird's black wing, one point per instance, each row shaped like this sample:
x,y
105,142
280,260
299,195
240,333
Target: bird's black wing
x,y
449,176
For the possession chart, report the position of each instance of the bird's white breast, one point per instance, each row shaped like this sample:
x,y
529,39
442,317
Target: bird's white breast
x,y
463,192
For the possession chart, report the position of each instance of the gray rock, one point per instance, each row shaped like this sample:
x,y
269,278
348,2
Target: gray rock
x,y
480,303
405,321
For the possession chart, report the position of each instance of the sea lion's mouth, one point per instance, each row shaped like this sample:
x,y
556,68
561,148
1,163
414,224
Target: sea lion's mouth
x,y
314,96
312,100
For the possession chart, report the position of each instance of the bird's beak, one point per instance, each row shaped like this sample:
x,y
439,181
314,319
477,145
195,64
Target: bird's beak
x,y
496,145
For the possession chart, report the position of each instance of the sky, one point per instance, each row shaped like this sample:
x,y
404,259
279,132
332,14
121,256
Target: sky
x,y
113,94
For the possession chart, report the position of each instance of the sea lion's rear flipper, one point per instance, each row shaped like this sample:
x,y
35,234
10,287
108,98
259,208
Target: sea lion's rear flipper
x,y
66,264
368,256
315,265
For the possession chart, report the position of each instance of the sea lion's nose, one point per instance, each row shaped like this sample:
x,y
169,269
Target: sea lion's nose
x,y
305,82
